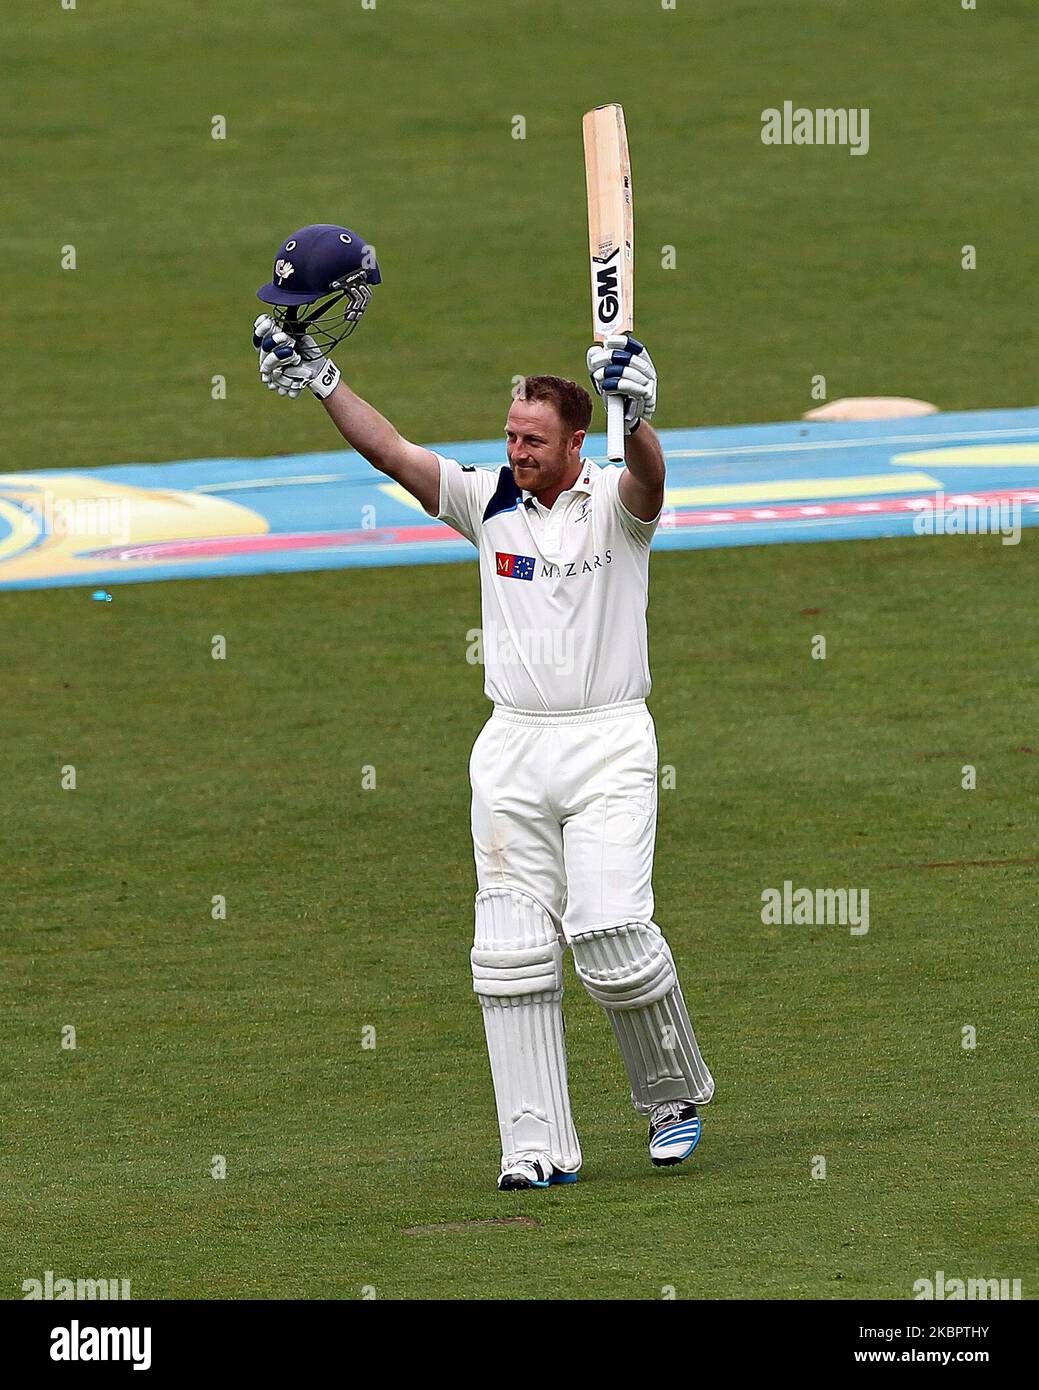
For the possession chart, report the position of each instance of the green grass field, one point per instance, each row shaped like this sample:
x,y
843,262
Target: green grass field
x,y
350,908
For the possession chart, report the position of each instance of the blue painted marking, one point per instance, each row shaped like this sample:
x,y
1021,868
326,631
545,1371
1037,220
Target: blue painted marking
x,y
328,510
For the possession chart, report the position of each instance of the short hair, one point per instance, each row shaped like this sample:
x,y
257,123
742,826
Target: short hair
x,y
572,402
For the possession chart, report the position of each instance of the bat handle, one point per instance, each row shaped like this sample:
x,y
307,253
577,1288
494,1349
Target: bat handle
x,y
615,428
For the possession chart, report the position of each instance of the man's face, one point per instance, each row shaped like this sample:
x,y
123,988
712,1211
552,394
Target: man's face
x,y
541,450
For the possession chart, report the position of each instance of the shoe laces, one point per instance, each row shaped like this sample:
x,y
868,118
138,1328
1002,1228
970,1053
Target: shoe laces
x,y
667,1110
530,1160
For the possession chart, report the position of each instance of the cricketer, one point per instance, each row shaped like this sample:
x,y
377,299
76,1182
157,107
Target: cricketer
x,y
564,772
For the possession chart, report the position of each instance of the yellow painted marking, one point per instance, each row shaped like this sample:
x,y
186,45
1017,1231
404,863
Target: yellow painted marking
x,y
401,494
24,530
974,456
110,515
786,489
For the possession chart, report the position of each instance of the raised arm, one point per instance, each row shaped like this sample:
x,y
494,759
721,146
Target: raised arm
x,y
622,366
641,485
293,364
319,290
371,434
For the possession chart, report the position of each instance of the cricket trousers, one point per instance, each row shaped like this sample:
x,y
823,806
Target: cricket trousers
x,y
564,810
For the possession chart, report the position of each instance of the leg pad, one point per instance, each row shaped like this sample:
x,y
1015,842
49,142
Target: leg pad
x,y
628,968
518,978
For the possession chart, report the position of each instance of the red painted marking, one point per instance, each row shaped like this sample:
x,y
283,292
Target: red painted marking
x,y
436,533
888,506
277,541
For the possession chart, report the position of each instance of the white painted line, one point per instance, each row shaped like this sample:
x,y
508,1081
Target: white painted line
x,y
251,484
807,445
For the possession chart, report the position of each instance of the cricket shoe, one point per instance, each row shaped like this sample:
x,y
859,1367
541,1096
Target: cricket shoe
x,y
530,1170
674,1131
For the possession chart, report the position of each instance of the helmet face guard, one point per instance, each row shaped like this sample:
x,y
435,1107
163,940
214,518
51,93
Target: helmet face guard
x,y
331,318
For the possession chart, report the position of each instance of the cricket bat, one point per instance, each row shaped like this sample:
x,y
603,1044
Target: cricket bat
x,y
607,169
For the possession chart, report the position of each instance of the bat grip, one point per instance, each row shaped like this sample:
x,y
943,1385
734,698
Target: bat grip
x,y
615,428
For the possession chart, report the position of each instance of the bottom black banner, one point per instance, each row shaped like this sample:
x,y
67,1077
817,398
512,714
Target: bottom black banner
x,y
178,1338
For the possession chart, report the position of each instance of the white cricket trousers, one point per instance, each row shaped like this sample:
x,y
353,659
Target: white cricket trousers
x,y
564,807
564,823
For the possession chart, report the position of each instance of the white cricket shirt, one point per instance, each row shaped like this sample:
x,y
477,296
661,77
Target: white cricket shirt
x,y
563,589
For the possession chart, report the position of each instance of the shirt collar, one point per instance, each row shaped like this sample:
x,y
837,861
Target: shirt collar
x,y
585,479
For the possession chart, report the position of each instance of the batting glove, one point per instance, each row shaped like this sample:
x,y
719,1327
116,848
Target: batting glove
x,y
288,364
622,365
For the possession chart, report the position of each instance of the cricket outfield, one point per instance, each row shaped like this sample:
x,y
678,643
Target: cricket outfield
x,y
254,909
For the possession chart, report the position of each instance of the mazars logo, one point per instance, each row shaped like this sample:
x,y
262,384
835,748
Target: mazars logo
x,y
513,566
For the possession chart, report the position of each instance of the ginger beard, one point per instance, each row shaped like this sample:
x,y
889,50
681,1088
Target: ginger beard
x,y
545,457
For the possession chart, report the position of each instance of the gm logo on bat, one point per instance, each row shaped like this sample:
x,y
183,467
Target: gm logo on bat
x,y
608,306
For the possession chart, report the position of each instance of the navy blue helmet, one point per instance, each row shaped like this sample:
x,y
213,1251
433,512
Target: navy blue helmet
x,y
321,283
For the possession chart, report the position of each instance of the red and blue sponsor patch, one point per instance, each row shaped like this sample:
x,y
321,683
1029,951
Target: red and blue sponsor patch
x,y
513,566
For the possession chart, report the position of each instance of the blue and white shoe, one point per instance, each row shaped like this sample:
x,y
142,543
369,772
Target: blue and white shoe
x,y
674,1131
530,1170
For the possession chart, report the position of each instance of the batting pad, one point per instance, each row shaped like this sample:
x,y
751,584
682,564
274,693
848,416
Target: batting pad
x,y
629,970
518,976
